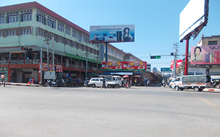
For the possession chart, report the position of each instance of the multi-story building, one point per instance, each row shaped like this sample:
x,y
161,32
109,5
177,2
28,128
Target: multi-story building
x,y
33,25
37,27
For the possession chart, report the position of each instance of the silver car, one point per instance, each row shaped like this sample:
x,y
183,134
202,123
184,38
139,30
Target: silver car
x,y
96,82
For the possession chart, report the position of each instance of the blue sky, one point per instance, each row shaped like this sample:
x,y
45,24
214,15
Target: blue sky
x,y
156,22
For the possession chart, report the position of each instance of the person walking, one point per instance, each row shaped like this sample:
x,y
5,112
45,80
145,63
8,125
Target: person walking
x,y
145,81
125,83
135,82
3,79
103,83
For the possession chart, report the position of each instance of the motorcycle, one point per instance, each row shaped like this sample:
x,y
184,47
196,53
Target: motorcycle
x,y
163,84
50,83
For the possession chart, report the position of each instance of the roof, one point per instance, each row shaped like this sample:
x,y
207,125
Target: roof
x,y
43,9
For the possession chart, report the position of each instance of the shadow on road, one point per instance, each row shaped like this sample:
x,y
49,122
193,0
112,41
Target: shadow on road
x,y
155,85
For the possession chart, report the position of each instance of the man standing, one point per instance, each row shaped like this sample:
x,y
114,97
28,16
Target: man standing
x,y
3,79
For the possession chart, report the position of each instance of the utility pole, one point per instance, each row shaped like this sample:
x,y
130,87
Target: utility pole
x,y
175,56
47,43
97,64
86,62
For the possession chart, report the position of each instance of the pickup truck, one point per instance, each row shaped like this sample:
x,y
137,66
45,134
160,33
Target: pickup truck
x,y
114,82
196,82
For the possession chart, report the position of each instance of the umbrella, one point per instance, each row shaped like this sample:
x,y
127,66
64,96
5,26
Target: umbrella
x,y
125,76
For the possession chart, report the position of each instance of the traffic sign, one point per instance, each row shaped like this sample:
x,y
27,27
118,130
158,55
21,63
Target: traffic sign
x,y
165,69
155,57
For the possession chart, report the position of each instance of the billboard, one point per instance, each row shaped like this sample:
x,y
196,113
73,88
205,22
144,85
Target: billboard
x,y
193,17
112,33
59,68
124,66
178,63
205,55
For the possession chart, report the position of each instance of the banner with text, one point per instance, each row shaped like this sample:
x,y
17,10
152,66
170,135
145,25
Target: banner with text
x,y
112,33
124,66
205,55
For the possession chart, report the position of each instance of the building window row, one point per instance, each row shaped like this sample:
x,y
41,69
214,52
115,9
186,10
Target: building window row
x,y
11,32
26,17
41,19
25,31
13,19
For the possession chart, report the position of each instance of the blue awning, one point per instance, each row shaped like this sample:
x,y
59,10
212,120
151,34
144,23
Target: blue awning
x,y
121,73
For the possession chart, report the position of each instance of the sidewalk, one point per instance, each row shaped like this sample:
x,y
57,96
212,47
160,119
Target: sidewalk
x,y
21,84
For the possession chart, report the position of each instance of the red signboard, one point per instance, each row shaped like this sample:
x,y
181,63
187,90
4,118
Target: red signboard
x,y
178,63
205,55
124,65
59,68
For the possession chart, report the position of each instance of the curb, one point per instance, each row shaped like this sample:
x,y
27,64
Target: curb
x,y
16,84
211,89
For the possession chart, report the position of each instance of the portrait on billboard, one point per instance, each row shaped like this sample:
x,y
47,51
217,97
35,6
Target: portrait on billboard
x,y
198,55
126,35
209,54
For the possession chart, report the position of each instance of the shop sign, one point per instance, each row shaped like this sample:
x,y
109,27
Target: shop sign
x,y
59,68
124,66
4,71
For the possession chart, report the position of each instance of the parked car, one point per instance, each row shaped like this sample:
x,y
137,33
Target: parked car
x,y
96,82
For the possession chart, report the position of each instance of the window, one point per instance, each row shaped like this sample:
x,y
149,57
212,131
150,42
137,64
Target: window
x,y
68,42
2,20
26,17
212,42
11,32
84,38
13,18
51,23
41,19
79,36
60,27
74,33
60,40
41,33
0,33
67,31
25,31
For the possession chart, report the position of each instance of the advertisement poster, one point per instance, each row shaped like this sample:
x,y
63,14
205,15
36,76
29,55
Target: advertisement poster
x,y
178,63
112,33
58,67
205,55
124,66
4,71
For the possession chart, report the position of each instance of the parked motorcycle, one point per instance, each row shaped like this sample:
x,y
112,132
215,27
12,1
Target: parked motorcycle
x,y
50,83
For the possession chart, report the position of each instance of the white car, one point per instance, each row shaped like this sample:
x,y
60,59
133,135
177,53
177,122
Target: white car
x,y
96,82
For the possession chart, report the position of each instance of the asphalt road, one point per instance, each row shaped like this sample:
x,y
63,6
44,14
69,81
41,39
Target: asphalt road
x,y
95,112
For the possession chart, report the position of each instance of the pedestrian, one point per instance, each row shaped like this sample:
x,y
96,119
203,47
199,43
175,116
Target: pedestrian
x,y
135,82
145,81
103,83
32,80
3,79
125,83
130,83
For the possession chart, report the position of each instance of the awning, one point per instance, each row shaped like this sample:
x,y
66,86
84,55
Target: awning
x,y
121,73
